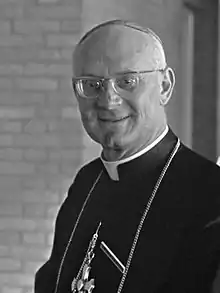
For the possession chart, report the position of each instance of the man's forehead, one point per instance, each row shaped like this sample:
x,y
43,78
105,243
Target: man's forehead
x,y
119,45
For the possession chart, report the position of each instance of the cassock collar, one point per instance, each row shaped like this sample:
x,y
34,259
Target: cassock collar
x,y
112,168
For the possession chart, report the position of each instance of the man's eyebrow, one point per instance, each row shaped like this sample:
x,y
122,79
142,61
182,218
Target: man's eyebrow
x,y
132,71
128,71
90,75
110,76
124,72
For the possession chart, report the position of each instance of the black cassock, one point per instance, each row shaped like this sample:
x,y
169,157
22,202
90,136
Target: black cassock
x,y
178,249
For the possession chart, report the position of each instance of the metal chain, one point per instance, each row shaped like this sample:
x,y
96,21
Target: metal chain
x,y
120,287
73,231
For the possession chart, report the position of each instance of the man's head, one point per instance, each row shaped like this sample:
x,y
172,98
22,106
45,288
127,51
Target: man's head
x,y
122,84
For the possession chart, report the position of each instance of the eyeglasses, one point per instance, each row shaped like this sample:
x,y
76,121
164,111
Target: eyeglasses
x,y
91,87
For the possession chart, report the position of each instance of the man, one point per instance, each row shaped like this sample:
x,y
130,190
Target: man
x,y
144,217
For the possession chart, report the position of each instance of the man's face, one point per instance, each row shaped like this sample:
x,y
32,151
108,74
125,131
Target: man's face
x,y
123,120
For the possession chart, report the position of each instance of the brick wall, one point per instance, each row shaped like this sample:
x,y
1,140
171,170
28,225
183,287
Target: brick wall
x,y
40,134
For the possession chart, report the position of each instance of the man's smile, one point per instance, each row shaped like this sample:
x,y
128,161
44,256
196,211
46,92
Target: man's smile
x,y
114,120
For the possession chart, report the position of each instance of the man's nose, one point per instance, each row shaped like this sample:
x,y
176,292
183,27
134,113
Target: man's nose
x,y
110,98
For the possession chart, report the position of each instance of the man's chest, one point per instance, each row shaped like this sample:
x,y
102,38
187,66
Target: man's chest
x,y
154,249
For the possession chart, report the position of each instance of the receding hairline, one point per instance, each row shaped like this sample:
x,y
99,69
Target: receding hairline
x,y
124,23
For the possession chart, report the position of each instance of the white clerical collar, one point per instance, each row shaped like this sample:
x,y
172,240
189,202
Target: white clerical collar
x,y
111,167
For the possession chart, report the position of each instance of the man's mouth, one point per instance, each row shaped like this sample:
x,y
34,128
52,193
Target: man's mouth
x,y
114,120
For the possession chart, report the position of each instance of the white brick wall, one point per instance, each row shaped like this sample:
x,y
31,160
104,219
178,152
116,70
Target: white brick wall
x,y
40,133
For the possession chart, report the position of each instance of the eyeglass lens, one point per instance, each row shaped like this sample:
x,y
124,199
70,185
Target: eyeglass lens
x,y
94,87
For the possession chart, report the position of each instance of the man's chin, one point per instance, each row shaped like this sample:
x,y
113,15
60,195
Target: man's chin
x,y
113,142
111,139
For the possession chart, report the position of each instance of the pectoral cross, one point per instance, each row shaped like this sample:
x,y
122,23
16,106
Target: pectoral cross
x,y
82,284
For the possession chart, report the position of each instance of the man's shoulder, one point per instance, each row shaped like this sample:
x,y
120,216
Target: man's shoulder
x,y
87,173
83,181
194,157
90,168
192,161
197,165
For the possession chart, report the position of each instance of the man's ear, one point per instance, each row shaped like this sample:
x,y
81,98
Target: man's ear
x,y
167,85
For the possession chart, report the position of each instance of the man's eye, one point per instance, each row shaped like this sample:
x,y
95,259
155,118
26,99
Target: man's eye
x,y
127,82
94,84
91,88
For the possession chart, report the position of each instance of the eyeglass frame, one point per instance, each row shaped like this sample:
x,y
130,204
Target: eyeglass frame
x,y
103,79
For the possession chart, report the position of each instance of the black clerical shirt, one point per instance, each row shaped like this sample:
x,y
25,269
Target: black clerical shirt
x,y
179,244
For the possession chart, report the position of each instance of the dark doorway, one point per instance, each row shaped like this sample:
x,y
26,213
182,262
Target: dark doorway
x,y
205,68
